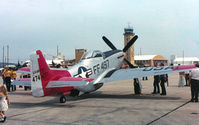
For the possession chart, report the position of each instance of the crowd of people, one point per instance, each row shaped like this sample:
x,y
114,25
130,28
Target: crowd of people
x,y
189,78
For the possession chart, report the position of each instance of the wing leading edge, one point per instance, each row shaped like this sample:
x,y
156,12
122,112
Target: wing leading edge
x,y
124,74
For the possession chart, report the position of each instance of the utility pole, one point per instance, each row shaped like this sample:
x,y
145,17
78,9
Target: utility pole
x,y
5,60
57,50
3,57
183,56
7,54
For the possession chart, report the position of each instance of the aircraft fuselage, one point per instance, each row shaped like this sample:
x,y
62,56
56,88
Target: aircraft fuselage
x,y
96,67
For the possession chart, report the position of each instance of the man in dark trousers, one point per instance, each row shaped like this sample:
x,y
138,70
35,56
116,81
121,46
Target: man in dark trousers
x,y
162,82
156,88
194,80
137,86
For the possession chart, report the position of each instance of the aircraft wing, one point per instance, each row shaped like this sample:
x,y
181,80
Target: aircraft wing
x,y
69,81
22,82
124,74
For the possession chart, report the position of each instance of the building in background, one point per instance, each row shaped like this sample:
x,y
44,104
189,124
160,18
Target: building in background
x,y
149,60
78,54
128,35
186,60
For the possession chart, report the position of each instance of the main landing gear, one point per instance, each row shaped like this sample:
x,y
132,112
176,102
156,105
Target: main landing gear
x,y
137,86
67,96
62,99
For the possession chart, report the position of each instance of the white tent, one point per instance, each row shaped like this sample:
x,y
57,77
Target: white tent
x,y
186,60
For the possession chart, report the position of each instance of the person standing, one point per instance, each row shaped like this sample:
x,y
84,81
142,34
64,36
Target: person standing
x,y
4,102
13,77
167,80
181,82
187,78
7,74
162,82
3,77
194,81
156,88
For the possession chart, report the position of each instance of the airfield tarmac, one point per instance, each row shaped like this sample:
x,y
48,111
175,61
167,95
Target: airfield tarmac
x,y
113,104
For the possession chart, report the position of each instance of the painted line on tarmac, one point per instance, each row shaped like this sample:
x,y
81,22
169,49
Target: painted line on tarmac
x,y
168,113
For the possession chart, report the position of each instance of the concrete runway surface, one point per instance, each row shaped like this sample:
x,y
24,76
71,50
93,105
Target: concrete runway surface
x,y
113,104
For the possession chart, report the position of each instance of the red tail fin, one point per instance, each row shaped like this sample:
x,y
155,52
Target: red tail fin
x,y
41,75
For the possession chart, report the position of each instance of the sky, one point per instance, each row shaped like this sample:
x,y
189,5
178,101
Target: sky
x,y
164,27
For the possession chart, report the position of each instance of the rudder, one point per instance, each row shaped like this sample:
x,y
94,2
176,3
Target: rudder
x,y
39,71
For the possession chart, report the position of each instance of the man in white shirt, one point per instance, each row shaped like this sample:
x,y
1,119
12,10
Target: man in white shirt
x,y
194,80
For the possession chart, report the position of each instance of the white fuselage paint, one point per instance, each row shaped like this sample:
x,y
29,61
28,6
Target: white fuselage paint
x,y
97,68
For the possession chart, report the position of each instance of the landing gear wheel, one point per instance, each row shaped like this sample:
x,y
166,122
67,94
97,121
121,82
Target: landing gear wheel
x,y
62,99
25,88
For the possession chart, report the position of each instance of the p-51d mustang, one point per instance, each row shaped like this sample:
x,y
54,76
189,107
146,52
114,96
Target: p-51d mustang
x,y
89,74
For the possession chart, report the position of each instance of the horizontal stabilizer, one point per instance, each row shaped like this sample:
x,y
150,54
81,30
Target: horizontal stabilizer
x,y
24,70
22,82
69,81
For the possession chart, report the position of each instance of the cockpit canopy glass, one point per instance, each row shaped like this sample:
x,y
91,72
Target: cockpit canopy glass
x,y
92,54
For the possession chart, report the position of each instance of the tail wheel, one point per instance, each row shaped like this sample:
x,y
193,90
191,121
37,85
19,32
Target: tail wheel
x,y
62,99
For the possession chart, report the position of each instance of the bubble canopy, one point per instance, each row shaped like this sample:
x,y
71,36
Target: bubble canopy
x,y
92,54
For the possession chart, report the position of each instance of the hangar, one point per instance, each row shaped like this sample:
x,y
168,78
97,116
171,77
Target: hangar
x,y
186,60
149,60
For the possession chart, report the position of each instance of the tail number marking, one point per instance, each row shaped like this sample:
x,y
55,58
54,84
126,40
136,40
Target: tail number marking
x,y
36,78
104,66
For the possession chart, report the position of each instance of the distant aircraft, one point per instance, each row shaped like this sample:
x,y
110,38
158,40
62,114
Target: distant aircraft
x,y
52,63
94,69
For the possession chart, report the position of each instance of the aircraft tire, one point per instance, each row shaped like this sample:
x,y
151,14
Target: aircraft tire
x,y
25,88
74,93
62,99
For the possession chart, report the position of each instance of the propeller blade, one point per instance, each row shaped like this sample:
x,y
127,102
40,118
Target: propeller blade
x,y
130,43
109,43
130,65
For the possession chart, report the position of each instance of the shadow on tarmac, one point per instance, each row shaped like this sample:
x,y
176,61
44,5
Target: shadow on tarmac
x,y
54,102
48,104
129,96
20,93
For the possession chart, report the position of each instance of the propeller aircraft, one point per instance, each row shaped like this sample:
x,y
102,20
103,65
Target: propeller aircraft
x,y
94,69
